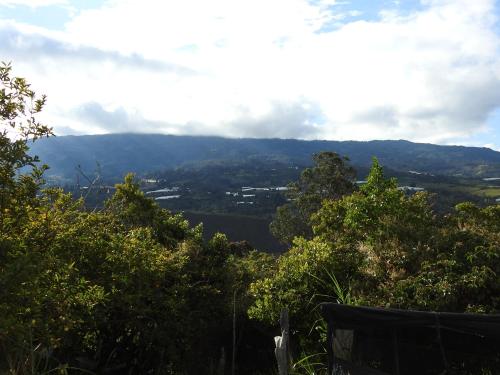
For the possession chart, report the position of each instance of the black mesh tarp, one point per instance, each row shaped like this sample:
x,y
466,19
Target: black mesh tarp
x,y
417,342
351,317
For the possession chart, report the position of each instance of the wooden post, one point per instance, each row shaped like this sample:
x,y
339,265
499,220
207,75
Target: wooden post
x,y
283,344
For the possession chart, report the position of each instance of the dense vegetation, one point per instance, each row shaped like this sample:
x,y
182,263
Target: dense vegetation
x,y
119,154
329,179
131,287
218,194
381,247
128,288
390,249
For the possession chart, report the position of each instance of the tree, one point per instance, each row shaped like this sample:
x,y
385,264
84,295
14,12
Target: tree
x,y
134,209
330,178
388,249
122,287
18,126
388,229
462,272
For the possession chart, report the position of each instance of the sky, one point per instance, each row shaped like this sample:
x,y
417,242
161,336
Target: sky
x,y
421,70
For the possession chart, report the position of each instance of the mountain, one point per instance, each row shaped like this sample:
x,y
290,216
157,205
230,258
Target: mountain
x,y
118,154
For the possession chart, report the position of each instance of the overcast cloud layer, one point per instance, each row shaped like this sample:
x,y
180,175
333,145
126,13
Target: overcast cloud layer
x,y
260,68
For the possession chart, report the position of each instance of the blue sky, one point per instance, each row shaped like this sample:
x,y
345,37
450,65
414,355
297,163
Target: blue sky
x,y
427,71
56,14
52,16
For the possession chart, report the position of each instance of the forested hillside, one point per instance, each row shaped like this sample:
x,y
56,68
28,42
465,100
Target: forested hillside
x,y
118,154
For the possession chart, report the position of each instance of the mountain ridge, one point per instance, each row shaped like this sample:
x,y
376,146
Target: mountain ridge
x,y
120,153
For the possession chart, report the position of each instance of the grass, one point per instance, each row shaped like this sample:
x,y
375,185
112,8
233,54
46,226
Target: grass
x,y
313,364
480,190
489,192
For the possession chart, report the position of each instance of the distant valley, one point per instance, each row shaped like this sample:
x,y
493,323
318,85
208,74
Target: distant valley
x,y
235,185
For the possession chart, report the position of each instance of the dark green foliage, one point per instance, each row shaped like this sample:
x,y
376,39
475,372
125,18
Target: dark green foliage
x,y
101,289
330,178
463,273
388,249
289,222
130,205
130,288
104,291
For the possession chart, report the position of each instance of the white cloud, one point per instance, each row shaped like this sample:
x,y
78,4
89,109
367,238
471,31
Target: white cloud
x,y
431,75
492,146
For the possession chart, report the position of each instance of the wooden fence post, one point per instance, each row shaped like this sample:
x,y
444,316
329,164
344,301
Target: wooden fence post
x,y
282,350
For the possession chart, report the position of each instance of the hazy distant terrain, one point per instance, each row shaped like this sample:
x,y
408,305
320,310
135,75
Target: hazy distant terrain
x,y
235,185
118,154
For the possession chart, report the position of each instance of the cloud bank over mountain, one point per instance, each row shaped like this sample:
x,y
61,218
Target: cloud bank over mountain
x,y
287,68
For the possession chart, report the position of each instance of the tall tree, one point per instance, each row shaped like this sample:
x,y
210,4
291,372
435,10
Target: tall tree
x,y
331,177
389,249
